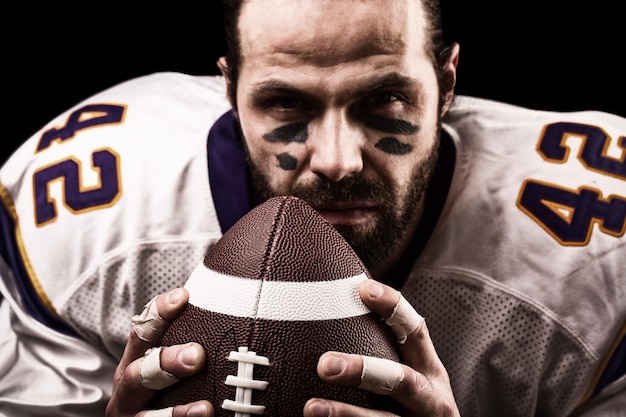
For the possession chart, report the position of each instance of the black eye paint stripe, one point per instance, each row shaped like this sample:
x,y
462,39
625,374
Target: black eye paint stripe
x,y
286,161
393,126
294,132
393,146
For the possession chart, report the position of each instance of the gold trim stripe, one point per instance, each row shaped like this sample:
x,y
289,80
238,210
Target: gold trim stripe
x,y
602,367
7,201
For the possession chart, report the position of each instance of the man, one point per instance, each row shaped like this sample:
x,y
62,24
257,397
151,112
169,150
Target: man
x,y
502,226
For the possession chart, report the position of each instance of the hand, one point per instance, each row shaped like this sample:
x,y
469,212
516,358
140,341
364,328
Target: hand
x,y
130,395
421,385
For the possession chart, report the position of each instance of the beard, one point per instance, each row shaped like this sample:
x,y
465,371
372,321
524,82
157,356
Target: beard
x,y
375,241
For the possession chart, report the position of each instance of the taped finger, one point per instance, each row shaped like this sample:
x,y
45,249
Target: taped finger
x,y
404,320
150,372
149,325
380,376
163,412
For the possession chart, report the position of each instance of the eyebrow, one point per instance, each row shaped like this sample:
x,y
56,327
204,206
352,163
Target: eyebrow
x,y
366,87
389,80
270,87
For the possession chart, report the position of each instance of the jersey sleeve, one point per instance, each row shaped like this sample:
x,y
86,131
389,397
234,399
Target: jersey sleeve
x,y
105,207
524,271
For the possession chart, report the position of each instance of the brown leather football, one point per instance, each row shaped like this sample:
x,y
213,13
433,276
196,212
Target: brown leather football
x,y
273,294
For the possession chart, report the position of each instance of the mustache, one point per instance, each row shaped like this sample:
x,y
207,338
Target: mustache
x,y
349,190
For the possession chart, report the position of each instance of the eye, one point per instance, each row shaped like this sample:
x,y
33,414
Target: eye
x,y
286,103
383,97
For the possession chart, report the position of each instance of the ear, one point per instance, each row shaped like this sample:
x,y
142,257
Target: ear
x,y
222,64
449,76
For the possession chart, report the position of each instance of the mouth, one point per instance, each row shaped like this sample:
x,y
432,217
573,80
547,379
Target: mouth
x,y
347,215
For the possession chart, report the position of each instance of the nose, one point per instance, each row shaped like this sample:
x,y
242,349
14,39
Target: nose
x,y
336,149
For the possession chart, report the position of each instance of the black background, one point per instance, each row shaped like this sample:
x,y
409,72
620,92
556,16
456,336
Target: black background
x,y
554,55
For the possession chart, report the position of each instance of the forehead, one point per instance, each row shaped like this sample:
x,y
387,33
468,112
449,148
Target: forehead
x,y
329,32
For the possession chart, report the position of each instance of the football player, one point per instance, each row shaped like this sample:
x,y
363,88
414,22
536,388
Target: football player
x,y
502,226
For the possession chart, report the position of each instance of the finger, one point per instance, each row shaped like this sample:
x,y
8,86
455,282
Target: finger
x,y
196,409
158,369
148,326
161,367
404,320
381,376
392,306
151,374
163,412
418,394
379,297
152,322
409,327
317,407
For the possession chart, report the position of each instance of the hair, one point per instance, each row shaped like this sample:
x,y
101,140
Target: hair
x,y
436,47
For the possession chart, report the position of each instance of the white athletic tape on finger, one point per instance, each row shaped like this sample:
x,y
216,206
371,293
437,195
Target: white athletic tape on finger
x,y
149,325
163,412
380,376
150,372
404,320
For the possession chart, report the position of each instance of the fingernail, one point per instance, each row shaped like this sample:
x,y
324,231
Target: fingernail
x,y
189,356
319,408
197,410
175,296
333,365
375,289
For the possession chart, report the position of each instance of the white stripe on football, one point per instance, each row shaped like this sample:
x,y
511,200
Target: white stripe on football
x,y
275,300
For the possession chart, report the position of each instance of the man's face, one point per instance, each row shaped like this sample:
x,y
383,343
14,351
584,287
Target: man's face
x,y
338,105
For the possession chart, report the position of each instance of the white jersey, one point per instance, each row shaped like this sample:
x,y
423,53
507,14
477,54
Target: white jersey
x,y
115,201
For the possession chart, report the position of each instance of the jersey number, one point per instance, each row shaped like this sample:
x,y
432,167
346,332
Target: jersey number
x,y
76,197
568,215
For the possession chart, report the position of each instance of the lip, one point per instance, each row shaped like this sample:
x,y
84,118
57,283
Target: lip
x,y
347,215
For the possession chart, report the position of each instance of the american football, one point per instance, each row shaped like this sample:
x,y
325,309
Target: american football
x,y
273,294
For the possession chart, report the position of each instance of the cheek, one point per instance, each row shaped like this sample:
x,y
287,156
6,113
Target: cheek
x,y
278,163
393,146
396,160
276,147
287,161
